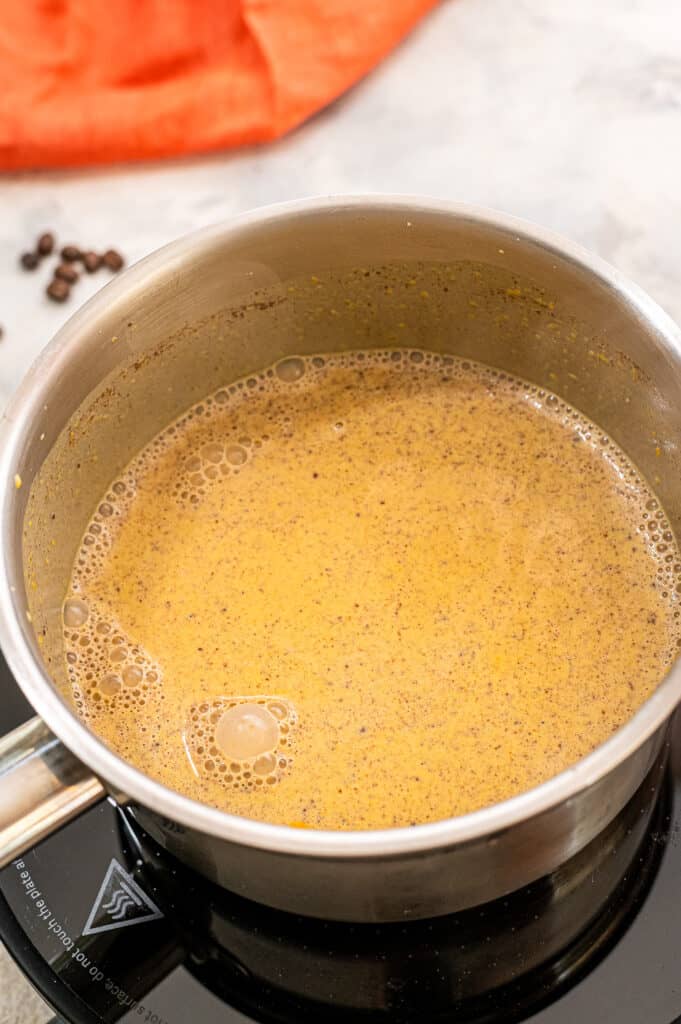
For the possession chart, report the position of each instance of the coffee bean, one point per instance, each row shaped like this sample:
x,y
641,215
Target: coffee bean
x,y
112,259
30,260
58,290
65,272
70,253
45,244
92,261
2,332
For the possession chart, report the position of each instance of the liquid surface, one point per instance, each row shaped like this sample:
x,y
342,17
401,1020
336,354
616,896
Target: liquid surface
x,y
370,590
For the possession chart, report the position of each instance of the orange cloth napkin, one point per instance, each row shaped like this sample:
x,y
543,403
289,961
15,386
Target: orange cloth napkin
x,y
87,82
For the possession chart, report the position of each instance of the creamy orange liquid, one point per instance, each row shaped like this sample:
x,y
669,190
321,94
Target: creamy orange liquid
x,y
370,590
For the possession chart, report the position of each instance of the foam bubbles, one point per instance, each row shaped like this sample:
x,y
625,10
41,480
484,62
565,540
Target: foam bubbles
x,y
212,452
236,455
290,369
75,612
102,663
109,685
266,764
132,675
245,731
243,742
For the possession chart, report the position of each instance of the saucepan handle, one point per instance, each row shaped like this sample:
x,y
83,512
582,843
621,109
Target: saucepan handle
x,y
42,787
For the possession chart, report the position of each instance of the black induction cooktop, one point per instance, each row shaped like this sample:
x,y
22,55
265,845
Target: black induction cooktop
x,y
108,928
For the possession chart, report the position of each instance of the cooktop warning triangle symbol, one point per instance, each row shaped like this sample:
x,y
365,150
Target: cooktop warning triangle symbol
x,y
120,902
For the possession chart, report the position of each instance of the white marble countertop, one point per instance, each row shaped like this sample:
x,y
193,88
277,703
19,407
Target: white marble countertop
x,y
564,113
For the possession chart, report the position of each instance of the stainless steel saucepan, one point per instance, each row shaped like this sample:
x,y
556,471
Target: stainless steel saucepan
x,y
320,275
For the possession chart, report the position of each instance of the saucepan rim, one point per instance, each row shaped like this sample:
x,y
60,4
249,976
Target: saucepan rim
x,y
124,780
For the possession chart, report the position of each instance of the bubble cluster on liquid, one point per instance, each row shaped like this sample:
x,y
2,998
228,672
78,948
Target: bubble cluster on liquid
x,y
212,446
241,742
102,664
